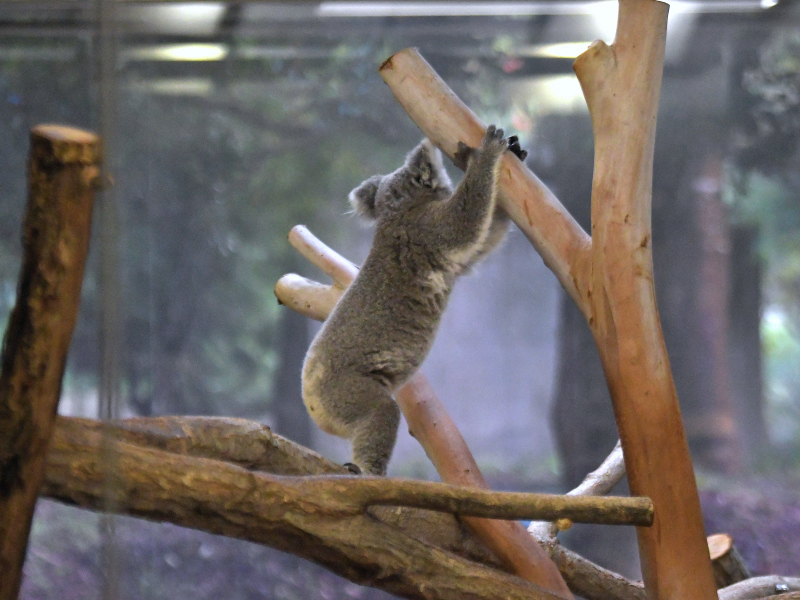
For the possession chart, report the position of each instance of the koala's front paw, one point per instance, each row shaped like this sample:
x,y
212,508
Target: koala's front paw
x,y
494,144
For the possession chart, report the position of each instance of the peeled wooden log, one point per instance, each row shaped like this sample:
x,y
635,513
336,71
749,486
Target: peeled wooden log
x,y
63,171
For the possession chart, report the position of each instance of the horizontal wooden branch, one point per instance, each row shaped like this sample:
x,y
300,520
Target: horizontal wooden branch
x,y
308,297
229,500
353,495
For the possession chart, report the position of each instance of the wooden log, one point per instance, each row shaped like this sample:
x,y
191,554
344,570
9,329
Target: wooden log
x,y
728,564
63,170
229,500
255,447
428,420
762,587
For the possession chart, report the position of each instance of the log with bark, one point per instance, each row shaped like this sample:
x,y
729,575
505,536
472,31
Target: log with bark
x,y
767,586
199,473
63,172
729,566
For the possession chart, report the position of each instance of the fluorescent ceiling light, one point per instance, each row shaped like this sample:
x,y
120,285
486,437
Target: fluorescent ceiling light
x,y
179,52
562,50
602,8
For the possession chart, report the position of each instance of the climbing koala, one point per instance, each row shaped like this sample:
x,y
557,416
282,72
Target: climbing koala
x,y
382,328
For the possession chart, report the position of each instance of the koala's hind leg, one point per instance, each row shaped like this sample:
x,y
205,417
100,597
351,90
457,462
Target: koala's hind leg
x,y
374,434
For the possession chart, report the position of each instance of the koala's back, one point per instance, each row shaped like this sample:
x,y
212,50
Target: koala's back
x,y
385,324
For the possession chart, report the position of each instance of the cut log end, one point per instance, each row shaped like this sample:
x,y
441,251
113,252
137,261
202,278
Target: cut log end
x,y
65,145
727,563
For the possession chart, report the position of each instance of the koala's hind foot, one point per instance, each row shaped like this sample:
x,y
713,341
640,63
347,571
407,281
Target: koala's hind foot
x,y
375,434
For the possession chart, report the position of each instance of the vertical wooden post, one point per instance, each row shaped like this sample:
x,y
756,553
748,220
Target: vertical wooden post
x,y
63,170
621,84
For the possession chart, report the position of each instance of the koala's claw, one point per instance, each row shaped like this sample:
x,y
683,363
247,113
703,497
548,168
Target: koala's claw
x,y
353,468
516,149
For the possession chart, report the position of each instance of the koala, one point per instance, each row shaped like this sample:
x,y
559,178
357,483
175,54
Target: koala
x,y
382,328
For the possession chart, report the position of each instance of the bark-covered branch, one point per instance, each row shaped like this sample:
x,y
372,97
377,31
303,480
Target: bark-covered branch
x,y
762,587
428,420
63,170
226,499
254,446
353,495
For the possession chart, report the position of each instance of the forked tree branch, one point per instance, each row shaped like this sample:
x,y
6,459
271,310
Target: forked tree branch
x,y
610,277
621,84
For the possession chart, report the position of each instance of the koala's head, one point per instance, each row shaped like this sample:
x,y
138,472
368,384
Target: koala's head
x,y
422,178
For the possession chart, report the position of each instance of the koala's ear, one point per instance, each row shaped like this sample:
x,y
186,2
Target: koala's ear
x,y
362,199
425,163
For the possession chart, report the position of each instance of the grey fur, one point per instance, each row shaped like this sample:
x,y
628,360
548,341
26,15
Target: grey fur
x,y
384,325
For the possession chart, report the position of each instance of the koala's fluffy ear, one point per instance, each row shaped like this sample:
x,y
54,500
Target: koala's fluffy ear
x,y
362,199
425,162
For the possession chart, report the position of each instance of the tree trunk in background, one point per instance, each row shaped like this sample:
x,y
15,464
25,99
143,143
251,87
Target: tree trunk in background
x,y
744,343
582,414
691,252
291,418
